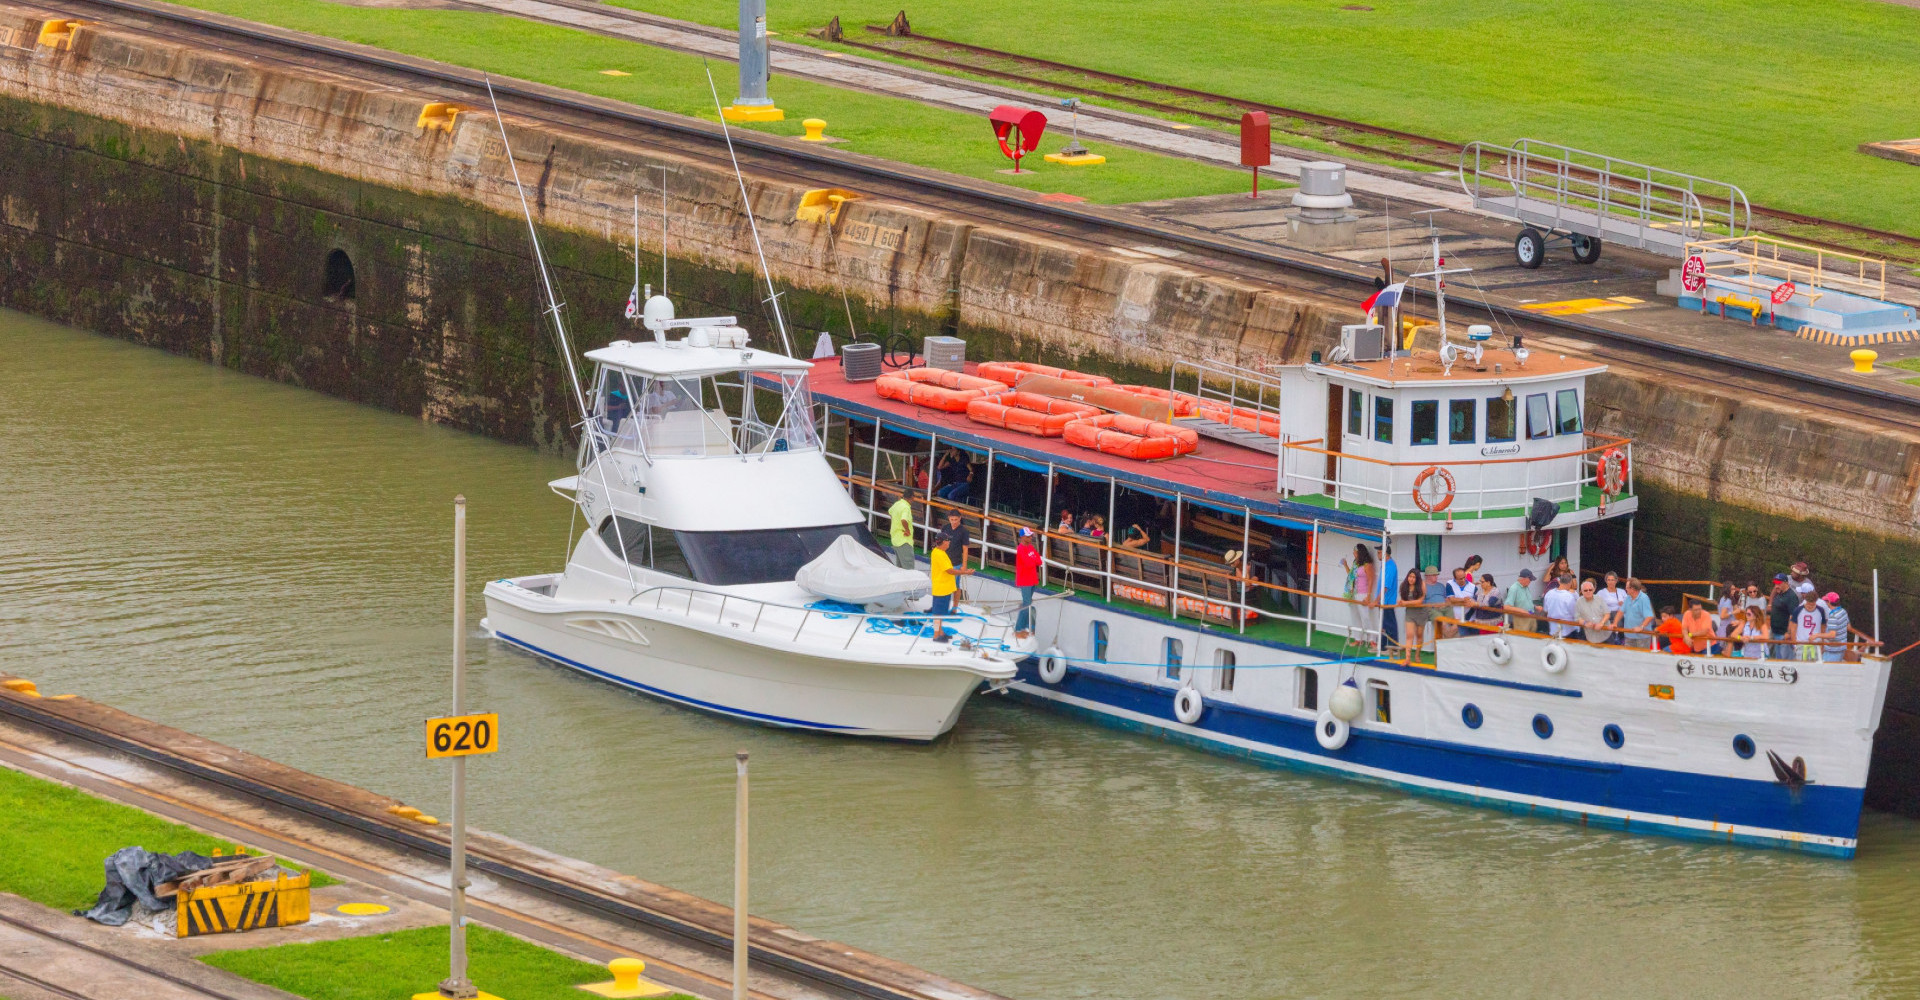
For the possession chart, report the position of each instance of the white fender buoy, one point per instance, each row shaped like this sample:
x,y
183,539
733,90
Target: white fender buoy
x,y
1554,658
1053,665
1346,702
1500,651
1188,706
1331,730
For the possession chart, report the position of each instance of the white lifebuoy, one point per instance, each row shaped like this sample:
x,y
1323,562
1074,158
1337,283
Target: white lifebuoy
x,y
1500,651
1331,730
1053,665
1188,706
1346,703
1554,658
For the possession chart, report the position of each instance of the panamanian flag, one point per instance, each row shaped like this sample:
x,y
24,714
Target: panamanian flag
x,y
633,303
1385,298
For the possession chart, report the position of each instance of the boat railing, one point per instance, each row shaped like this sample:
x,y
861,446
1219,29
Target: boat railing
x,y
1231,384
825,622
1478,486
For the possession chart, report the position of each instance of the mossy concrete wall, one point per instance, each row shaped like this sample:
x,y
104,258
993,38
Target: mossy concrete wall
x,y
189,199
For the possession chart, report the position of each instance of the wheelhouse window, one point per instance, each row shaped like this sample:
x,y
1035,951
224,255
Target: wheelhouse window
x,y
1425,418
1460,421
1383,419
1500,424
1175,651
1567,403
1539,419
1356,412
719,414
644,546
730,558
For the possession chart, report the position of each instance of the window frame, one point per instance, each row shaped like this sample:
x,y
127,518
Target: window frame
x,y
1378,403
1356,413
1173,657
1432,406
1226,665
1473,420
1380,694
1560,413
1306,692
1513,420
1546,409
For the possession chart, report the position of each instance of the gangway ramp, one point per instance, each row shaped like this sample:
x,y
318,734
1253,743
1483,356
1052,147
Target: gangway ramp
x,y
1582,199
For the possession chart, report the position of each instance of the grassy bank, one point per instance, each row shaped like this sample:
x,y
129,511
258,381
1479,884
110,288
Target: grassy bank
x,y
1772,95
877,125
54,840
387,966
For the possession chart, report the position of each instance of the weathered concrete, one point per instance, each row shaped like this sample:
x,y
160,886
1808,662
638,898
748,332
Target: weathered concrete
x,y
264,172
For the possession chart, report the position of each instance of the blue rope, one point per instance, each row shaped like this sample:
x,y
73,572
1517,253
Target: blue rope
x,y
1216,666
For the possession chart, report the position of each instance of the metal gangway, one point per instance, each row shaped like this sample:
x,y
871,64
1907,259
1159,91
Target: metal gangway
x,y
1572,197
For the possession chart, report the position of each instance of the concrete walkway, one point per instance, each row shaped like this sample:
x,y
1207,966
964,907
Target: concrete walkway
x,y
59,956
1103,124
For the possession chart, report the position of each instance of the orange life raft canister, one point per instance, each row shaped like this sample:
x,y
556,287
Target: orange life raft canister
x,y
1183,404
1257,421
1011,372
1130,437
936,388
1028,413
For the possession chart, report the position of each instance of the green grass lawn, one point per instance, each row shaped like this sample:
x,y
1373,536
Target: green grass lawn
x,y
1772,95
877,125
397,965
55,840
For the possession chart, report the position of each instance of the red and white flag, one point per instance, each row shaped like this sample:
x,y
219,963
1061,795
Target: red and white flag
x,y
633,303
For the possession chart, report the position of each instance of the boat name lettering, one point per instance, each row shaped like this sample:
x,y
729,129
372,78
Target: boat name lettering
x,y
1722,670
1500,449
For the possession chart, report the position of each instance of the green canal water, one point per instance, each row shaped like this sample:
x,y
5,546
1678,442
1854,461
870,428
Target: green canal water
x,y
269,567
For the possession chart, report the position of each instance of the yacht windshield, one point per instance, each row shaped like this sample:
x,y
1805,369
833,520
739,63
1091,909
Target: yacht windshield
x,y
729,558
732,413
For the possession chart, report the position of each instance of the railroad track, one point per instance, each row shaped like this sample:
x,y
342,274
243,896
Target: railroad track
x,y
102,955
981,201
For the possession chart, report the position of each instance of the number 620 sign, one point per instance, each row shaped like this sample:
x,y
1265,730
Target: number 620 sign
x,y
463,735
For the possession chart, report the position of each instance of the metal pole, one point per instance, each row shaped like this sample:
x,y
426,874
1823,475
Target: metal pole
x,y
1046,528
457,984
986,513
1629,545
740,877
753,54
1876,605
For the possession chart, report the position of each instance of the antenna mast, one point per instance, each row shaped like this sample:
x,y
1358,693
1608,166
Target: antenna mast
x,y
773,297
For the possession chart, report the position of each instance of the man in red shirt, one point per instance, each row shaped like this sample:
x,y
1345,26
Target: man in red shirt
x,y
1026,576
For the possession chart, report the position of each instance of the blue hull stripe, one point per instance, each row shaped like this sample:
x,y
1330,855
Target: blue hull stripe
x,y
738,713
1815,810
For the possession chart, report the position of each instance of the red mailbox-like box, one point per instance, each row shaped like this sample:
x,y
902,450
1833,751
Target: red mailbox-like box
x,y
1256,139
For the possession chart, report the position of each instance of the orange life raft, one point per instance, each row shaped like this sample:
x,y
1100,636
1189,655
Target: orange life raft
x,y
1029,413
1011,372
1130,437
936,388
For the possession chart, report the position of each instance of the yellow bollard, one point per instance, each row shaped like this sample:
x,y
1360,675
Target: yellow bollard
x,y
23,686
627,981
816,127
1863,360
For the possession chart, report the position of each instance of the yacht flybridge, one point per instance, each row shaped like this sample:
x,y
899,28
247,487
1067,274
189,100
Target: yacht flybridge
x,y
723,565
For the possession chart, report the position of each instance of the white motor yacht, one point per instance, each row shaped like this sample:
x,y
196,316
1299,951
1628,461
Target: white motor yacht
x,y
723,565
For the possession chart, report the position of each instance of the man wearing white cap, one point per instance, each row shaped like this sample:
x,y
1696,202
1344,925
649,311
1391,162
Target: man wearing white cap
x,y
1026,576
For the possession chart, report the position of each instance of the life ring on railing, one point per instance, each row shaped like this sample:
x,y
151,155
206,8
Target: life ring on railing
x,y
1420,482
1331,730
1053,665
1188,706
1611,477
1538,543
1554,658
1500,651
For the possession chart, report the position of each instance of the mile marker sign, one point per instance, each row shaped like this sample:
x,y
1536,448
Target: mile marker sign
x,y
1693,274
463,735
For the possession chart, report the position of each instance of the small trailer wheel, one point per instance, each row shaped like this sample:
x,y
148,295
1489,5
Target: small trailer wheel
x,y
1586,249
1530,248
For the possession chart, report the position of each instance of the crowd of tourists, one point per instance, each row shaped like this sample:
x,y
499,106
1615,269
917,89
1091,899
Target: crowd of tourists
x,y
1792,621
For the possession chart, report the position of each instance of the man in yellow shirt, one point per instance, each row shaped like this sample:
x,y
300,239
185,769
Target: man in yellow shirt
x,y
902,534
945,583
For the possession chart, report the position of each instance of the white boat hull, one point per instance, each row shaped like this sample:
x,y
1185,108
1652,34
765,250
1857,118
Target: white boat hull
x,y
745,675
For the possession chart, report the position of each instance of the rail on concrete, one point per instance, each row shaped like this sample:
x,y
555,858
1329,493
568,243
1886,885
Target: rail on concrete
x,y
1747,259
1567,190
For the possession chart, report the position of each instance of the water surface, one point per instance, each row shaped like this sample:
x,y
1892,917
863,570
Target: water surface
x,y
270,568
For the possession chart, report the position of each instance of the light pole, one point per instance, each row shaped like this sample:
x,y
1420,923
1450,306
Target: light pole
x,y
753,104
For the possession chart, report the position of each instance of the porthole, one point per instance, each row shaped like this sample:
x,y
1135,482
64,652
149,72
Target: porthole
x,y
1743,745
1542,726
1471,716
1613,735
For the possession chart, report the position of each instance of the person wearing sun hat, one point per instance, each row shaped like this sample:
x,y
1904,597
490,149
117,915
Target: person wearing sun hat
x,y
1838,622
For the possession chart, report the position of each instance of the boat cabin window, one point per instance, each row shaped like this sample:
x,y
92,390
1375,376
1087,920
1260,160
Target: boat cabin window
x,y
1307,689
1175,650
1382,701
1383,419
728,413
1539,420
1099,642
1499,419
1356,412
1225,660
1460,421
1425,422
644,545
731,558
1567,402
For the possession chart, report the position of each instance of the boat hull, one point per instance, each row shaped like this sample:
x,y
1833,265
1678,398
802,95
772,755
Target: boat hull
x,y
755,682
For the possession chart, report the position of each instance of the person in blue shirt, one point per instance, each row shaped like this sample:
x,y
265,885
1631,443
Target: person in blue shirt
x,y
1389,586
1637,613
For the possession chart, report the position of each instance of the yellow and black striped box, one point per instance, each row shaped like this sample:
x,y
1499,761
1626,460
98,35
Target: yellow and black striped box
x,y
244,906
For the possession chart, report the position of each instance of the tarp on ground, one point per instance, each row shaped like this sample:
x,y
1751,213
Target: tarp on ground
x,y
133,873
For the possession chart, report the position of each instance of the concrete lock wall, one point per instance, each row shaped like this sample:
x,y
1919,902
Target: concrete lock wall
x,y
191,199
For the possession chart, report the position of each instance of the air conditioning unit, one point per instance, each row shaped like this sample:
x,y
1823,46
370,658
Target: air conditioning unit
x,y
860,361
1363,342
945,352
